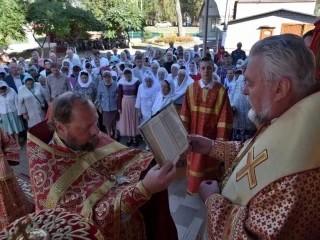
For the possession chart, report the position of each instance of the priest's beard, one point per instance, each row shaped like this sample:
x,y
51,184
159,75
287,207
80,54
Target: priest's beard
x,y
260,118
71,142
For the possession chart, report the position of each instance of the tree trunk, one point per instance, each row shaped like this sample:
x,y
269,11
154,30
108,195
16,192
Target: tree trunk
x,y
179,18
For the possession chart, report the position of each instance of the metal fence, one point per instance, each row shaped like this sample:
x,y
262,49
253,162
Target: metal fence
x,y
140,34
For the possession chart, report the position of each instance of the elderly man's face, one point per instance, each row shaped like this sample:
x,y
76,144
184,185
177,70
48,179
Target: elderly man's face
x,y
169,57
82,132
154,68
13,68
69,53
259,92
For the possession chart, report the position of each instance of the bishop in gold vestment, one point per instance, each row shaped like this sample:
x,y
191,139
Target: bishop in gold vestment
x,y
272,187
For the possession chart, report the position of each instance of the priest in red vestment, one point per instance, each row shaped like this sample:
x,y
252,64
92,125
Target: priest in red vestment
x,y
206,111
80,169
13,202
271,190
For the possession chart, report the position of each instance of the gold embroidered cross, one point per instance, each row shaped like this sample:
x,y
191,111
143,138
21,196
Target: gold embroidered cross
x,y
249,168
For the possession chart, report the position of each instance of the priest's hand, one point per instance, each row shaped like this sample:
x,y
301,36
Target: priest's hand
x,y
159,178
199,144
208,188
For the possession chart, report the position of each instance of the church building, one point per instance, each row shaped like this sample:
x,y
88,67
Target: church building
x,y
247,21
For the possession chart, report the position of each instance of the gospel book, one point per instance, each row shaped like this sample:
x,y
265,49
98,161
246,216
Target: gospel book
x,y
165,135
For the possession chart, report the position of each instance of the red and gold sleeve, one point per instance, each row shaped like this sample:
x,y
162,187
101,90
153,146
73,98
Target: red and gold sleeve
x,y
9,147
225,152
225,220
225,122
133,197
185,113
285,209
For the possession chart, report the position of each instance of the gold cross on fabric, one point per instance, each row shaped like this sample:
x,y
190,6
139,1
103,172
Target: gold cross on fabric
x,y
249,168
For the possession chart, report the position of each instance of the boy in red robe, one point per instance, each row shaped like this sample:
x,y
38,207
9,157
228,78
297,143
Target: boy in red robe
x,y
206,111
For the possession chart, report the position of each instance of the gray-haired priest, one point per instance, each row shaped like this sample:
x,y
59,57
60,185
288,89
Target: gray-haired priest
x,y
272,189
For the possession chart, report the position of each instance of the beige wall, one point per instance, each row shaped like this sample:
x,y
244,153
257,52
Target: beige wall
x,y
248,32
249,9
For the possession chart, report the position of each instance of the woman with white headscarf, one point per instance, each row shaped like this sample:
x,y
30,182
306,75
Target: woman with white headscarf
x,y
181,84
9,111
128,87
193,71
154,69
67,63
147,93
32,101
165,96
186,59
162,74
86,87
174,72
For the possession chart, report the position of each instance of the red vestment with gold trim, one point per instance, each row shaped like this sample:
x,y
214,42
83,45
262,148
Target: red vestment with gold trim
x,y
206,112
13,202
90,184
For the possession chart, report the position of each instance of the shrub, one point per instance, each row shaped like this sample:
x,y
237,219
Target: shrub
x,y
175,38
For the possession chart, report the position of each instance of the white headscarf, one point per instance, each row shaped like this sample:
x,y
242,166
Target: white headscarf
x,y
84,85
180,90
172,92
162,69
186,63
162,100
155,87
176,65
123,80
195,68
4,84
70,66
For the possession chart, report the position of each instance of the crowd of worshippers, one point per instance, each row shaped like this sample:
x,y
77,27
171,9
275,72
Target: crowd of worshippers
x,y
126,89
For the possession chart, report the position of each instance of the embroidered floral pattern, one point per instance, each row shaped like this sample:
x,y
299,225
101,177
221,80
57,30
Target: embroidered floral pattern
x,y
286,209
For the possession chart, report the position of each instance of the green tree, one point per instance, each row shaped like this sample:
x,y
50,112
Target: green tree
x,y
60,19
122,19
12,17
192,9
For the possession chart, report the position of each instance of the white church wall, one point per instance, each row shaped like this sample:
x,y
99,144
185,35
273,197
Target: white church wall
x,y
248,32
249,9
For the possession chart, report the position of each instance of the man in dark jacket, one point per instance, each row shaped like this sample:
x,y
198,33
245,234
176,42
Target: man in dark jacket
x,y
238,54
14,80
